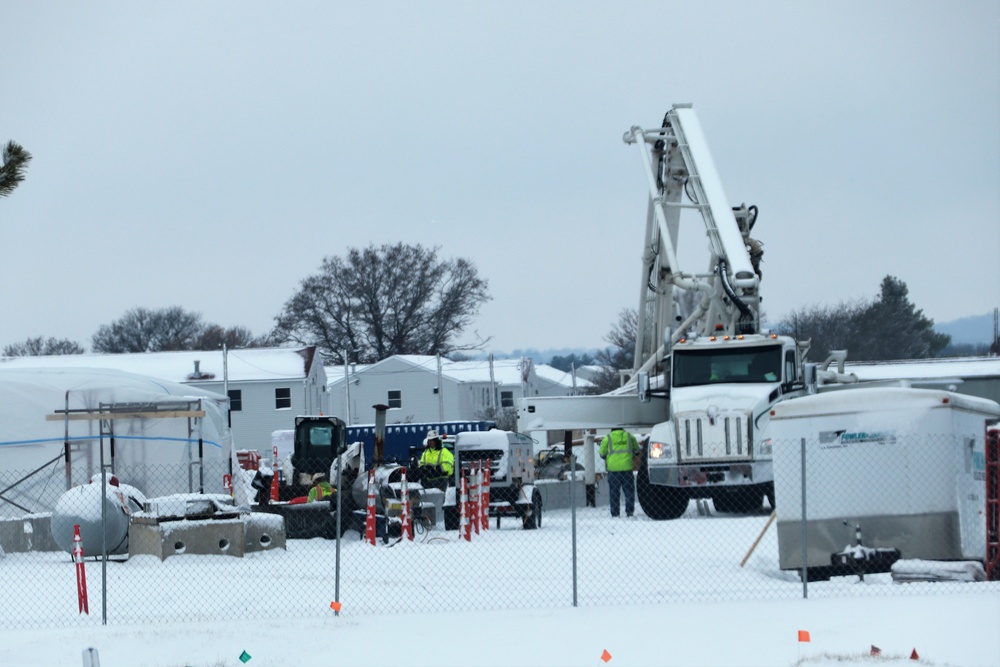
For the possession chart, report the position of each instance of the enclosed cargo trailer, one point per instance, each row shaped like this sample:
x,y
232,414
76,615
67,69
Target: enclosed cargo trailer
x,y
904,468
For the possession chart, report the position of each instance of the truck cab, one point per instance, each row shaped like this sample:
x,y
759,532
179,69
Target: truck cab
x,y
716,444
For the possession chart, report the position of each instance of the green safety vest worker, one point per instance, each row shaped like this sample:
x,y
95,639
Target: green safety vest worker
x,y
320,491
617,450
438,457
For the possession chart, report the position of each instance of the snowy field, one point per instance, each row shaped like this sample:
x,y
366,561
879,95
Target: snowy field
x,y
649,593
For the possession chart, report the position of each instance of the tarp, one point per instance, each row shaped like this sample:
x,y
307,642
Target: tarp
x,y
157,455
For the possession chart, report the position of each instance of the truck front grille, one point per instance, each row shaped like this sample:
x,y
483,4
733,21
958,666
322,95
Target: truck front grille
x,y
730,436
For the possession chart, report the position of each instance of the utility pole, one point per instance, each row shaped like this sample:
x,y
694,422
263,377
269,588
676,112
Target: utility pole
x,y
493,388
347,390
440,392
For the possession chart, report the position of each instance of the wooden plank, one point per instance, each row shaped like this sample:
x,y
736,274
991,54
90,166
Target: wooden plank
x,y
95,416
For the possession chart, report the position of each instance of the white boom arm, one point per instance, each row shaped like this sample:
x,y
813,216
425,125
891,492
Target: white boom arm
x,y
677,162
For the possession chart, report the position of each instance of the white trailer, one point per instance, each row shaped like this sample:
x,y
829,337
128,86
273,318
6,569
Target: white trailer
x,y
906,466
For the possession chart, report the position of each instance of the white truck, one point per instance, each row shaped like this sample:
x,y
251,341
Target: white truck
x,y
703,381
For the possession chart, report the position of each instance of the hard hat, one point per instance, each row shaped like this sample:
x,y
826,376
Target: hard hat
x,y
433,435
319,477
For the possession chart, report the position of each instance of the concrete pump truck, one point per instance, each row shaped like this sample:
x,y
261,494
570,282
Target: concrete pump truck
x,y
703,381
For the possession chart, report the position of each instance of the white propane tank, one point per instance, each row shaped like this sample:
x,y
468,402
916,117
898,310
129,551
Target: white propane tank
x,y
81,506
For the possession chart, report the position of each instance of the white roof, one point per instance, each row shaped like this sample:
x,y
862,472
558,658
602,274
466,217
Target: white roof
x,y
505,371
881,399
562,378
244,365
960,367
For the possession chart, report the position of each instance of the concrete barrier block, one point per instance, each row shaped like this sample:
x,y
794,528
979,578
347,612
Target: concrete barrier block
x,y
29,533
224,537
264,532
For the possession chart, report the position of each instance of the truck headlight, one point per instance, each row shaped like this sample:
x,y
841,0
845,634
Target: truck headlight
x,y
765,447
661,450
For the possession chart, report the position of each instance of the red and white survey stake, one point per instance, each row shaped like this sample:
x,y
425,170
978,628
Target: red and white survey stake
x,y
81,572
405,523
463,504
370,516
485,500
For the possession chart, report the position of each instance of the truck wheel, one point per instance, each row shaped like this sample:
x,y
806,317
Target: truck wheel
x,y
533,519
659,502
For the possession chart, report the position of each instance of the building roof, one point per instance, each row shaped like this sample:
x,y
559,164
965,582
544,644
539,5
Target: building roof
x,y
242,365
505,371
925,369
561,378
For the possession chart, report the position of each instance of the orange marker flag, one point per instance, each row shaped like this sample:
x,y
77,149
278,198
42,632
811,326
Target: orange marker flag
x,y
804,636
606,657
914,656
335,606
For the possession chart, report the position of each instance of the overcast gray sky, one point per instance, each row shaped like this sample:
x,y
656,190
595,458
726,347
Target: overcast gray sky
x,y
210,154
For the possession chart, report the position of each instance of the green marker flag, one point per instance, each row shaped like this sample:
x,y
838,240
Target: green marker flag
x,y
244,657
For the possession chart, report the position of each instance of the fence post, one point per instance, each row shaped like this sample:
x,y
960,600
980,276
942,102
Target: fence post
x,y
805,565
572,505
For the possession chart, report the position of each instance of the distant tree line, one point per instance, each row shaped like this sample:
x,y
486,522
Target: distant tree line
x,y
887,327
371,303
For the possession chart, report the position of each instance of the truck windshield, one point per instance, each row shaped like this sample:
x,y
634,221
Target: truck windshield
x,y
719,366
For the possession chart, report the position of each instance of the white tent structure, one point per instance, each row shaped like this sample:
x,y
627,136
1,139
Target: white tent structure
x,y
58,426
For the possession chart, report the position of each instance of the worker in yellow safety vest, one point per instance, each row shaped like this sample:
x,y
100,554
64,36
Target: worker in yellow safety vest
x,y
617,449
437,463
321,489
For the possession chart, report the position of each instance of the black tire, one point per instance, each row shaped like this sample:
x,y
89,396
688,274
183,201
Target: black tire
x,y
660,503
533,518
739,500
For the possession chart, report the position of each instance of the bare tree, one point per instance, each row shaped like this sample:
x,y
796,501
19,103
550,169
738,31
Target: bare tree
x,y
386,300
621,354
15,161
35,347
826,328
144,330
213,337
505,418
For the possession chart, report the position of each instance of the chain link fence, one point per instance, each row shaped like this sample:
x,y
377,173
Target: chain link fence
x,y
885,514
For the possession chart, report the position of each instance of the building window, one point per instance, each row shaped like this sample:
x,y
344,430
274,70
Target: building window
x,y
282,398
235,400
506,399
395,398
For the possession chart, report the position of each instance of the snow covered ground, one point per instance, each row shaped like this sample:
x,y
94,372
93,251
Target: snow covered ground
x,y
649,593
